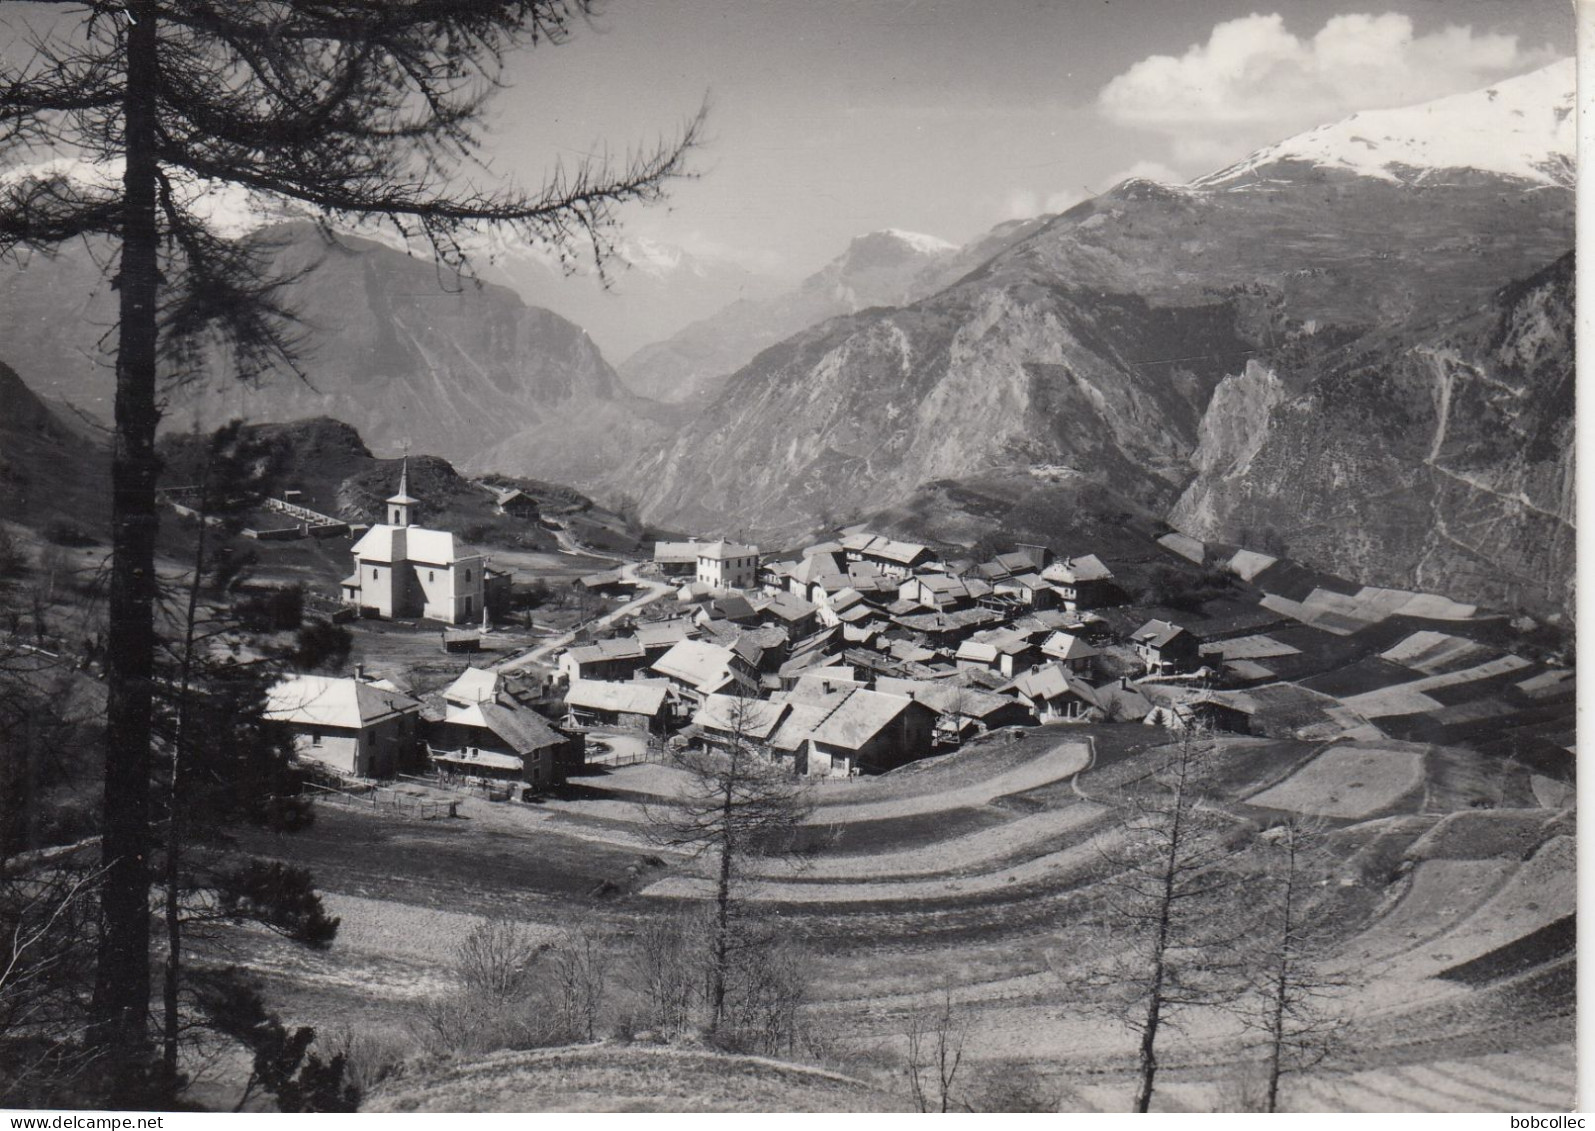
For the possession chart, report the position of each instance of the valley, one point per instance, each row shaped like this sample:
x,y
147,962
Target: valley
x,y
1126,660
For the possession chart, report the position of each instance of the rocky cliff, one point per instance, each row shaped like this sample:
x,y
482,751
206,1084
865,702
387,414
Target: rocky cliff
x,y
1438,456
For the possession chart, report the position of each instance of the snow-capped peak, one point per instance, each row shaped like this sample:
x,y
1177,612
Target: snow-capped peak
x,y
1522,127
227,210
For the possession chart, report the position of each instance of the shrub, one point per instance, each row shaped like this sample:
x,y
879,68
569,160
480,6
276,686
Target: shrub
x,y
64,533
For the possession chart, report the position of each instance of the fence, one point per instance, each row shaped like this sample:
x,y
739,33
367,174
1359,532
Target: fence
x,y
650,752
465,785
388,800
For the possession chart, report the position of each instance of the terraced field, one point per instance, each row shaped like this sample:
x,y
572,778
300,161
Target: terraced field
x,y
965,875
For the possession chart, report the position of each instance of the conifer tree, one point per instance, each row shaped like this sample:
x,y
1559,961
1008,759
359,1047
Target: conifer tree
x,y
352,108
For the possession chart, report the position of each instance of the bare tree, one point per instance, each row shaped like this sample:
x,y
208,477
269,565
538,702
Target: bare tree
x,y
351,108
736,805
1170,937
935,1054
664,971
580,965
46,947
1294,996
499,1001
496,960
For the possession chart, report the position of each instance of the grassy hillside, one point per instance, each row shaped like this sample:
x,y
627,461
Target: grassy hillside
x,y
629,1078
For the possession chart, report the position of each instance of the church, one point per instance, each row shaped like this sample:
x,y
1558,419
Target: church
x,y
406,571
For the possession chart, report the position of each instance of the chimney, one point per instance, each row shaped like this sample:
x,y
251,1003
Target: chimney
x,y
1124,683
359,673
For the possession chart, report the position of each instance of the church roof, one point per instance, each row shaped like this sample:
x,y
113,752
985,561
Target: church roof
x,y
384,543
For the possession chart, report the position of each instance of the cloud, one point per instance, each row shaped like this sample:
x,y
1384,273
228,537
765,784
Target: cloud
x,y
1254,81
1023,203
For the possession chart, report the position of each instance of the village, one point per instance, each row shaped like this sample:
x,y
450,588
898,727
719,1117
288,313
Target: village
x,y
863,654
969,725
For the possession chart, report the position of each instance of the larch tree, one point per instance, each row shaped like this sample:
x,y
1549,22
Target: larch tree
x,y
1171,933
737,805
348,108
1295,999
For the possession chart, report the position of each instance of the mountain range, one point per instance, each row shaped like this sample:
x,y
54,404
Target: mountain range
x,y
885,268
1355,343
1094,346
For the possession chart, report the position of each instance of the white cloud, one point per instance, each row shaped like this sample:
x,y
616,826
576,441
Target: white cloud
x,y
1023,203
1254,82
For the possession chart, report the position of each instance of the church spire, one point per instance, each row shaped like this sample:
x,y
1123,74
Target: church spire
x,y
401,507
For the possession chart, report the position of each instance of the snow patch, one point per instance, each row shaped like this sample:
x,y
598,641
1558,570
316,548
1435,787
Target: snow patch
x,y
1522,128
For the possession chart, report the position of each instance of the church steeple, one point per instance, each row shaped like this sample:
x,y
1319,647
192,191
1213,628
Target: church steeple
x,y
401,507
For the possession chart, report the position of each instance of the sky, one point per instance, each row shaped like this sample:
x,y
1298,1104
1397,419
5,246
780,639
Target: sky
x,y
831,118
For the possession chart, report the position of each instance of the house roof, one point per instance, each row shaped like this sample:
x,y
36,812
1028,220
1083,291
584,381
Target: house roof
x,y
756,718
1052,681
887,549
910,652
695,591
1115,699
818,567
617,648
473,685
1076,570
1016,561
676,553
948,622
662,634
944,697
722,550
335,701
522,729
860,717
977,651
733,607
1005,640
822,548
826,685
1157,633
845,599
704,666
607,577
384,543
789,607
635,697
797,724
1067,647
